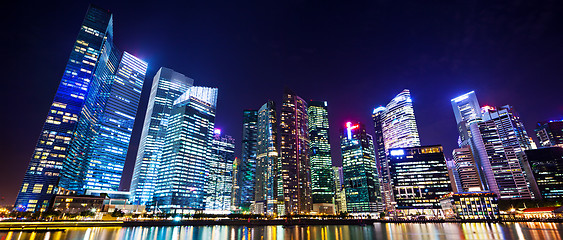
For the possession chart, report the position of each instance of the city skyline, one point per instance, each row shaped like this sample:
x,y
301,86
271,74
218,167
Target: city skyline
x,y
422,102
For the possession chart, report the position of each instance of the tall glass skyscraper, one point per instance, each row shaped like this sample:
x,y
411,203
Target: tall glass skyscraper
x,y
395,127
167,86
265,187
361,180
466,111
247,166
296,170
60,128
184,168
220,180
322,179
98,150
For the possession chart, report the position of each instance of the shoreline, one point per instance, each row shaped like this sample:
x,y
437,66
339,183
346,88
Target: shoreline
x,y
58,225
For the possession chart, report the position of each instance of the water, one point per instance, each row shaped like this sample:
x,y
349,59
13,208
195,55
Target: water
x,y
409,231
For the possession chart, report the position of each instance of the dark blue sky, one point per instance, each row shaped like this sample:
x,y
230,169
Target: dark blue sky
x,y
354,55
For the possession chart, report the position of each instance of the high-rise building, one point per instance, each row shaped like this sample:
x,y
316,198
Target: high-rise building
x,y
167,86
294,149
467,170
466,111
361,180
454,176
550,134
59,130
266,175
235,193
220,168
496,139
419,178
499,163
322,179
247,167
395,127
547,169
339,201
184,168
99,148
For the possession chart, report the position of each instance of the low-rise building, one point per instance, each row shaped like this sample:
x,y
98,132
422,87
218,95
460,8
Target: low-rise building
x,y
470,205
75,204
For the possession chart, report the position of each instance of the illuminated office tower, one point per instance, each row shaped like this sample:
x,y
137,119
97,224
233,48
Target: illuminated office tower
x,y
184,168
321,162
296,171
550,134
420,178
265,187
547,168
395,127
509,127
499,162
43,172
361,181
247,167
98,151
399,123
339,205
382,162
467,170
235,193
220,178
167,86
453,175
466,111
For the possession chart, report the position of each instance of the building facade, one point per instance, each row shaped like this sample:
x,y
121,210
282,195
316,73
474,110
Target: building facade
x,y
395,127
550,134
99,148
184,169
471,205
420,178
467,170
294,149
547,169
247,167
359,168
266,175
93,62
167,86
220,179
322,179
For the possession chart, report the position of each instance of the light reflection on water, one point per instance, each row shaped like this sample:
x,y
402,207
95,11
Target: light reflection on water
x,y
399,231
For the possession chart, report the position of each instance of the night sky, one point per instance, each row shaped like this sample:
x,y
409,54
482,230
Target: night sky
x,y
356,56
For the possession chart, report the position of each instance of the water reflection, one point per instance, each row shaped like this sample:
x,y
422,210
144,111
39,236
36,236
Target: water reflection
x,y
398,231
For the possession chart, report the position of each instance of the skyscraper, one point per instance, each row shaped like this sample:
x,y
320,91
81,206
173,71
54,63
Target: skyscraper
x,y
167,86
547,168
467,170
395,127
466,111
361,180
98,150
220,179
54,143
420,178
247,166
500,164
550,134
497,140
265,187
184,168
296,171
321,162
